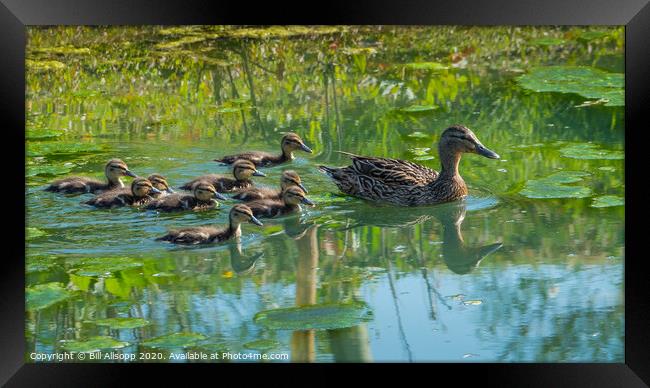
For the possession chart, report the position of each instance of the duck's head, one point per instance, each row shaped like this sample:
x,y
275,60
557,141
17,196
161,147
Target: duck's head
x,y
204,191
290,178
292,142
458,139
294,195
116,168
243,169
141,187
158,181
242,213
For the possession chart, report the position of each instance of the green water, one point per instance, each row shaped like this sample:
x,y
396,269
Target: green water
x,y
528,268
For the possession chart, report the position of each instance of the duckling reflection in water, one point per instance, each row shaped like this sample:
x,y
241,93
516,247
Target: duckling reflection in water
x,y
138,194
290,143
113,170
208,234
459,257
404,183
242,265
158,181
288,179
292,197
242,170
202,198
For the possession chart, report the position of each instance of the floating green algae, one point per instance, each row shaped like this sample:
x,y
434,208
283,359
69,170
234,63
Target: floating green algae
x,y
430,66
547,42
122,323
262,345
50,148
45,295
43,133
590,151
586,81
174,340
45,170
608,201
93,344
104,266
33,233
418,109
319,316
555,186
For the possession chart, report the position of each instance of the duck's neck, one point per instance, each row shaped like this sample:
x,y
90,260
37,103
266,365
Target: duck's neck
x,y
449,160
234,228
115,182
286,155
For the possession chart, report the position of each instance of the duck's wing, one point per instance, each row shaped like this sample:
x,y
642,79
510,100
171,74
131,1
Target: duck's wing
x,y
265,208
257,157
392,171
213,179
255,193
196,235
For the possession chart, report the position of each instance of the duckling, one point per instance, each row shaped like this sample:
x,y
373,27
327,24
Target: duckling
x,y
288,179
207,234
292,197
202,198
403,183
290,142
158,181
241,169
138,194
114,169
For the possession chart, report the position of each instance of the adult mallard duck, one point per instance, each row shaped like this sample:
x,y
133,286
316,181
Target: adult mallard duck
x,y
138,194
288,179
290,142
208,234
242,170
158,181
292,197
202,198
114,170
403,183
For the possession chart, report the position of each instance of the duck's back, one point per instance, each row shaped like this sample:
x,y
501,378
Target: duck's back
x,y
222,183
78,185
259,158
196,235
113,198
172,202
269,208
257,193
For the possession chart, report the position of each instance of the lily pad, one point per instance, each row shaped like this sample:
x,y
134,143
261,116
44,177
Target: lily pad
x,y
418,109
175,340
319,316
93,344
45,295
104,266
589,151
44,65
554,186
547,42
431,66
586,81
262,344
43,170
122,323
593,35
58,148
33,233
608,201
43,133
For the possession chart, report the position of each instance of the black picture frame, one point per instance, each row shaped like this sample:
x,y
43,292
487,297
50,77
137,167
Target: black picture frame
x,y
634,14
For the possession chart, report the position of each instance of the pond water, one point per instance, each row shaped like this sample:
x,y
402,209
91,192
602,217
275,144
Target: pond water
x,y
529,267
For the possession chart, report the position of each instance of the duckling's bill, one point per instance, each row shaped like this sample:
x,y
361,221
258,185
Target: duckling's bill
x,y
255,221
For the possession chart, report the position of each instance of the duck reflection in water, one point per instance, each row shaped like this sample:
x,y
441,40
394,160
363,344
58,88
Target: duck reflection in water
x,y
241,264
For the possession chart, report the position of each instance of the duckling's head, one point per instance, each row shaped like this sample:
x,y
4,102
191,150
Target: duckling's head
x,y
158,181
116,168
292,142
204,191
242,213
294,195
243,169
141,187
290,178
458,139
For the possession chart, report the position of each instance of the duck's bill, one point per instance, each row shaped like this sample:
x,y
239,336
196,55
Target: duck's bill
x,y
129,173
219,196
170,190
307,201
302,188
155,190
305,148
259,173
481,150
256,221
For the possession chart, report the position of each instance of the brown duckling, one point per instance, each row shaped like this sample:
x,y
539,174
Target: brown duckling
x,y
138,194
158,181
292,197
288,179
208,234
202,198
404,183
242,171
290,142
114,170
